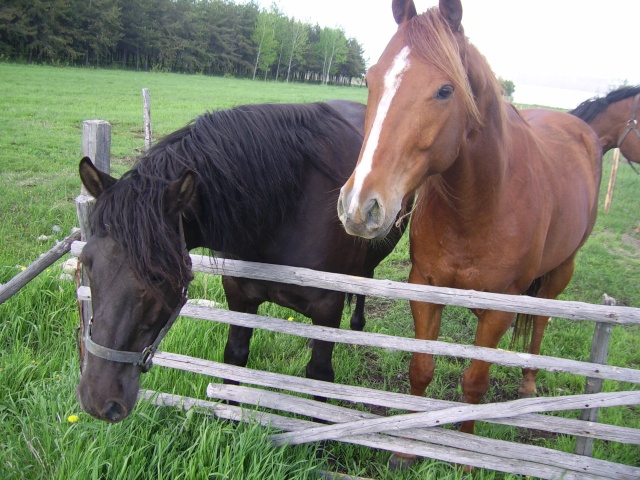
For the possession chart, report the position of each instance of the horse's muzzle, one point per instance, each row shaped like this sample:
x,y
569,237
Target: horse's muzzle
x,y
365,219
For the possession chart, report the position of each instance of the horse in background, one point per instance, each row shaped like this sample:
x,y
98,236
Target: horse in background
x,y
614,118
258,183
504,199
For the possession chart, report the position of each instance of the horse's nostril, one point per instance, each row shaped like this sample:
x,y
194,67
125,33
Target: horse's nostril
x,y
374,211
373,214
115,411
340,208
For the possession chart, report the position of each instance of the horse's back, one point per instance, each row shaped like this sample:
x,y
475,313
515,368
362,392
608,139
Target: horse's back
x,y
567,145
567,161
353,112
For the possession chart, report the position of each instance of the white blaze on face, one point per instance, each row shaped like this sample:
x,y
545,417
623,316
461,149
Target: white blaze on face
x,y
392,80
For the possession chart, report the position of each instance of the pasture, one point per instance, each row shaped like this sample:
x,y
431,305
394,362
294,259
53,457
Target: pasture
x,y
40,135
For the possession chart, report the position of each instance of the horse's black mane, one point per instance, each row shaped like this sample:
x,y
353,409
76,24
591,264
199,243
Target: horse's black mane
x,y
250,163
590,109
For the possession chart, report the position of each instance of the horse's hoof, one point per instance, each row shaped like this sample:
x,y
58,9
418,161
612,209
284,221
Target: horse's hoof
x,y
399,461
522,395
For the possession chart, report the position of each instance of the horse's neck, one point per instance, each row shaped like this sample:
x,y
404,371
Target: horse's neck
x,y
476,178
610,124
477,174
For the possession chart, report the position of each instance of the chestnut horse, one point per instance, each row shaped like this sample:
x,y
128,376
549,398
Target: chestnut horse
x,y
504,198
257,182
614,118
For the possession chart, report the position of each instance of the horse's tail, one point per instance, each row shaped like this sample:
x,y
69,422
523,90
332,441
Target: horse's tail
x,y
523,329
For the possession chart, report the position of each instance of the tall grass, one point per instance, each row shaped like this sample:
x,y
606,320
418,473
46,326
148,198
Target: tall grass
x,y
40,138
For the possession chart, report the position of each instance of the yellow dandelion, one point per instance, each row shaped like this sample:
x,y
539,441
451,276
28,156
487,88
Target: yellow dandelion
x,y
290,319
22,269
73,418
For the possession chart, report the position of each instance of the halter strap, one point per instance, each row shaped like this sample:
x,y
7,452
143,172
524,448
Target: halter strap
x,y
143,359
632,125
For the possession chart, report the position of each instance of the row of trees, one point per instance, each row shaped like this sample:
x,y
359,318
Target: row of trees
x,y
215,37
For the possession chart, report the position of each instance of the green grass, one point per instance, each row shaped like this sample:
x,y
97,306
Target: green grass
x,y
40,143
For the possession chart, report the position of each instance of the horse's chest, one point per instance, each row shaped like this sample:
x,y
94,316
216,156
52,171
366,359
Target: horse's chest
x,y
463,261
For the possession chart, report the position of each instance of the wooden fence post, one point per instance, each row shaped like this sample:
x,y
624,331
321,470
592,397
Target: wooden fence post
x,y
146,106
599,352
96,144
612,180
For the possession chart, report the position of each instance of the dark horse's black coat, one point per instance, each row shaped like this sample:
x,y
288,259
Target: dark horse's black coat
x,y
267,179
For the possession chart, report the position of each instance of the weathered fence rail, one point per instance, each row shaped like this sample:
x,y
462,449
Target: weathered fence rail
x,y
446,445
37,267
440,295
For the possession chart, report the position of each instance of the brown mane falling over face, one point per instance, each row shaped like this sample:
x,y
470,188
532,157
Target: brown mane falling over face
x,y
432,41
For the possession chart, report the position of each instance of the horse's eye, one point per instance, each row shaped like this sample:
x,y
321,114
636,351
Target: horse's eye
x,y
444,92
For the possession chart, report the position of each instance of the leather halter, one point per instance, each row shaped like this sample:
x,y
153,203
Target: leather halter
x,y
632,125
143,359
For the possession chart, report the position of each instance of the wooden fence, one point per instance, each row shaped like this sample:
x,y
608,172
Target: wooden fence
x,y
417,433
407,433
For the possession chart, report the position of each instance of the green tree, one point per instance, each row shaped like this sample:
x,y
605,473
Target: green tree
x,y
354,65
333,46
282,38
15,27
99,28
297,41
508,87
52,31
264,37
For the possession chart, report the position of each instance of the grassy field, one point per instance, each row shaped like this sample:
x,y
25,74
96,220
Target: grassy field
x,y
40,146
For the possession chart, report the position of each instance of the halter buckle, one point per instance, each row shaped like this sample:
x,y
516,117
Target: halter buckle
x,y
146,359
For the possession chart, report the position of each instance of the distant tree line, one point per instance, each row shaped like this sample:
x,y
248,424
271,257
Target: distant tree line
x,y
213,37
508,87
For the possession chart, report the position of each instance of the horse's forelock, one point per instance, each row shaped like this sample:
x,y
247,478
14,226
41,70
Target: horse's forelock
x,y
131,212
432,40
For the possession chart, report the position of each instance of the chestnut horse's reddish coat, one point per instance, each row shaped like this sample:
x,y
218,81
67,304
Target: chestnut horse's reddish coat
x,y
504,198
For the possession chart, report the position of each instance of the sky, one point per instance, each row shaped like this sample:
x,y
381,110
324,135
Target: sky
x,y
558,53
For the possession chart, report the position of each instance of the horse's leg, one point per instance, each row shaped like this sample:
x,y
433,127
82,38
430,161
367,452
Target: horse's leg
x,y
427,318
552,285
357,317
236,351
326,313
492,325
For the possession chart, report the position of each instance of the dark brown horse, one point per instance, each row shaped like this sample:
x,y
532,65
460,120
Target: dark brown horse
x,y
504,198
614,118
257,182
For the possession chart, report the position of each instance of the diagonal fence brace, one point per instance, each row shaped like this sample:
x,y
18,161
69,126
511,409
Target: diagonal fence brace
x,y
457,414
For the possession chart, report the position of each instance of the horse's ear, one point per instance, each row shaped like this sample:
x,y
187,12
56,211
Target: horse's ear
x,y
403,10
95,181
451,11
180,193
